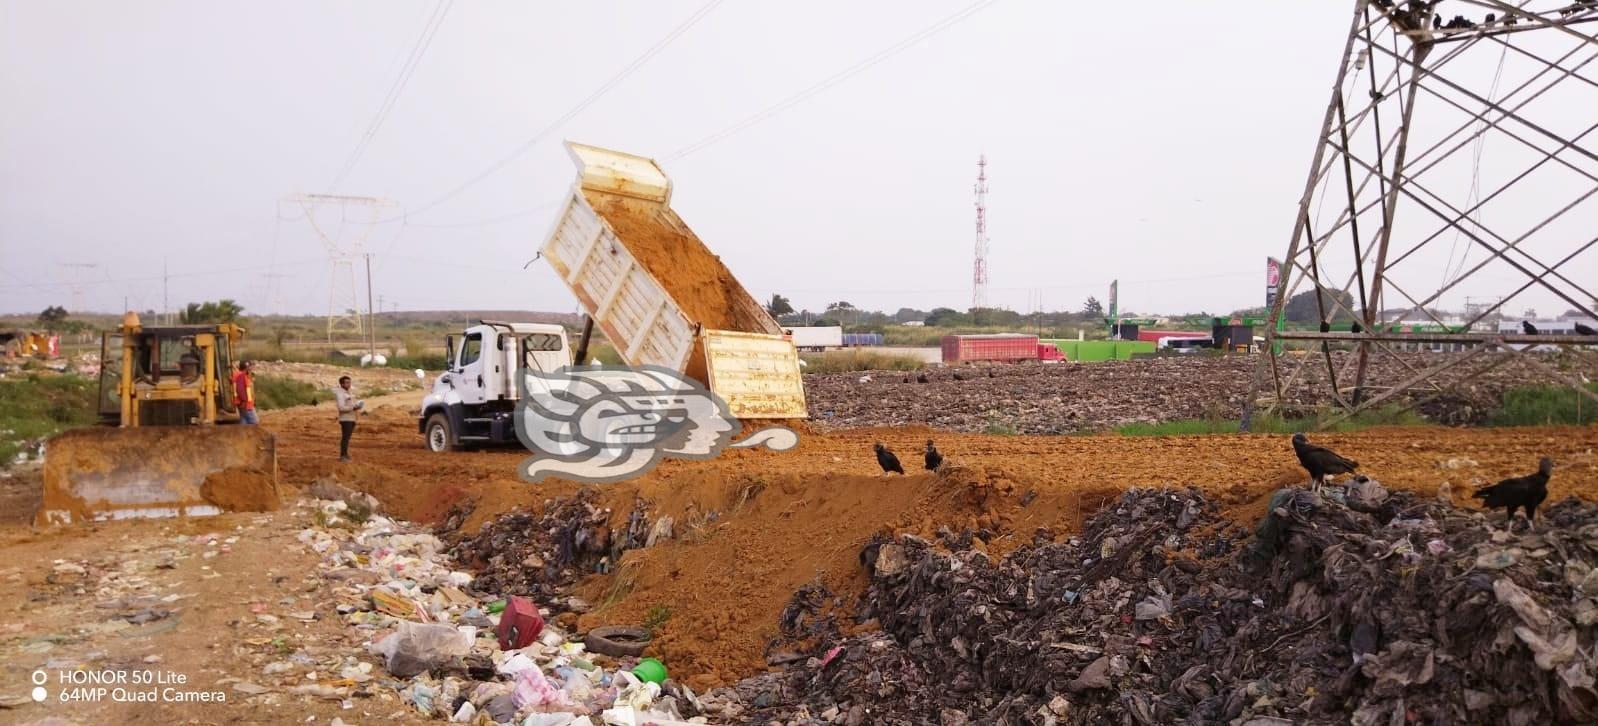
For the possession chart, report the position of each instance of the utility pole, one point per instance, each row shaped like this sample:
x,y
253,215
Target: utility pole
x,y
371,316
166,309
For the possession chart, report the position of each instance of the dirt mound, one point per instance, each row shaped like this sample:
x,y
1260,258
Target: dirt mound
x,y
241,490
1391,609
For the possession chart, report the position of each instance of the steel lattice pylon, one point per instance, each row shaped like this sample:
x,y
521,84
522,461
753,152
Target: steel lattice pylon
x,y
1458,161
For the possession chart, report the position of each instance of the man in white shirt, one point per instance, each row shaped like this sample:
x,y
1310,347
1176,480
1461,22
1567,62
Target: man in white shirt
x,y
348,408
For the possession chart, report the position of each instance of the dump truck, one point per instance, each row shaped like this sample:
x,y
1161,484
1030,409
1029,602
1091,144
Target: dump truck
x,y
170,444
659,295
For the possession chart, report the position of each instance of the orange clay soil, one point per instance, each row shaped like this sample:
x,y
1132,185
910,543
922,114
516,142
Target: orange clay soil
x,y
695,278
786,519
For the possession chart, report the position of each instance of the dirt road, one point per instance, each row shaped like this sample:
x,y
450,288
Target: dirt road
x,y
752,527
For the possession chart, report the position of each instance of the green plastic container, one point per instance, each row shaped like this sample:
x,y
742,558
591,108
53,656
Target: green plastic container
x,y
497,606
650,670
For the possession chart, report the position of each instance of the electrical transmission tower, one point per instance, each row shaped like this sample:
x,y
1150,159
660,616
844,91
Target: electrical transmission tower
x,y
343,301
979,265
1457,162
78,275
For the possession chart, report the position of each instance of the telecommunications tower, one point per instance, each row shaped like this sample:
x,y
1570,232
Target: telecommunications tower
x,y
979,266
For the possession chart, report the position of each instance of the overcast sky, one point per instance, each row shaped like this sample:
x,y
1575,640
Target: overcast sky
x,y
1165,145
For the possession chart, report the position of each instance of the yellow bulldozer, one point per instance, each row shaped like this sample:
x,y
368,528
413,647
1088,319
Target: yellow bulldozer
x,y
177,448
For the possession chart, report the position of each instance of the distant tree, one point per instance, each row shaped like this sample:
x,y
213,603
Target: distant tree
x,y
827,323
1092,308
52,317
221,311
779,306
907,315
946,317
840,305
1301,308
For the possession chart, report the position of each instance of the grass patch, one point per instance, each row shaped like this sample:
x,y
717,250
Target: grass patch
x,y
847,361
656,618
281,392
38,406
1275,424
1545,406
997,428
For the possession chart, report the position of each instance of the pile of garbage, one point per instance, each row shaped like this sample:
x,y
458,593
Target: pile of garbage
x,y
1078,397
454,647
540,555
1354,605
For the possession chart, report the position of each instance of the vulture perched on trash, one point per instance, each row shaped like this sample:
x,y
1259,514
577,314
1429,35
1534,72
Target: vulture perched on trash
x,y
1584,329
887,460
1529,329
1519,492
1320,462
934,459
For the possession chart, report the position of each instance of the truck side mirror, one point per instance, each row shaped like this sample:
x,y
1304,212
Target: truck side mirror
x,y
449,352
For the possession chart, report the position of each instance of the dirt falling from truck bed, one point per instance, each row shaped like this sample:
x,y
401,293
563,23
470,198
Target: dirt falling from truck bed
x,y
695,278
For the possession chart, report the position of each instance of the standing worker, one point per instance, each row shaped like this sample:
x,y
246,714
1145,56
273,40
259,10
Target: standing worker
x,y
348,408
244,393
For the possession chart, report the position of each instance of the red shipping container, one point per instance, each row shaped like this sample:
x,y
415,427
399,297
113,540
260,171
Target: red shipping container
x,y
519,625
1002,347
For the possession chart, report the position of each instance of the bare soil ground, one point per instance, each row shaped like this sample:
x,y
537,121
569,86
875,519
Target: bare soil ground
x,y
753,526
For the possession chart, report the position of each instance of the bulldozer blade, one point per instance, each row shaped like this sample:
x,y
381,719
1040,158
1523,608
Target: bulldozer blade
x,y
97,474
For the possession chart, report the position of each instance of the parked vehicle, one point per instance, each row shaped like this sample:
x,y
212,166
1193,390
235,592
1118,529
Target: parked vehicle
x,y
1000,347
815,338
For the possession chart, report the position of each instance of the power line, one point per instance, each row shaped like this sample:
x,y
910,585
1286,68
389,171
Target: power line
x,y
152,278
495,220
581,106
835,78
419,49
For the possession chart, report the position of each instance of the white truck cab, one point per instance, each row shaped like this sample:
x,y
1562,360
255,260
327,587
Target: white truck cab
x,y
474,400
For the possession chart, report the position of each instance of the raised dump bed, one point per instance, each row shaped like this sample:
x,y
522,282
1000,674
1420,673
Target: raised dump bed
x,y
660,295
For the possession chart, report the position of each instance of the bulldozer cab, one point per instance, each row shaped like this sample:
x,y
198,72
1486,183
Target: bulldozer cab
x,y
168,376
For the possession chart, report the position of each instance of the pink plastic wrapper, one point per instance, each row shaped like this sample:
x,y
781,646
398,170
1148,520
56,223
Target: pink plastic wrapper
x,y
533,689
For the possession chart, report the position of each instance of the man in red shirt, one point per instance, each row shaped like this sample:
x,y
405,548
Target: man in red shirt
x,y
244,393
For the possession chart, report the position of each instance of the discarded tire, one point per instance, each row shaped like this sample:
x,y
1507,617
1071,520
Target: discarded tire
x,y
617,641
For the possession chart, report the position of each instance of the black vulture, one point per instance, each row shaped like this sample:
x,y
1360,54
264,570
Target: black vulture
x,y
887,460
1519,492
921,378
1326,327
934,459
1320,462
1356,327
1584,329
1528,327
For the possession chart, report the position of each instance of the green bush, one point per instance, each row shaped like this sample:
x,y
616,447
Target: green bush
x,y
1544,406
280,392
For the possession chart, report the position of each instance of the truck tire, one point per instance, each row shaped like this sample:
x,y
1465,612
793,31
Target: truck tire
x,y
617,641
437,436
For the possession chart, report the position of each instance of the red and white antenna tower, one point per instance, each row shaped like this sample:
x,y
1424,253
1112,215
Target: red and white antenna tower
x,y
979,266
